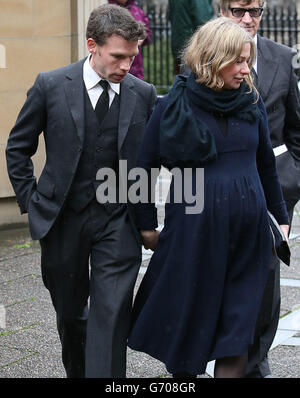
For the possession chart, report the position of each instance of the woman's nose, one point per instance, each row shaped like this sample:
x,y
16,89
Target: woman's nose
x,y
246,69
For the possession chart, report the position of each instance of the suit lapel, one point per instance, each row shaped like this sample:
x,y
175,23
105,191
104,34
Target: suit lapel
x,y
74,90
127,107
266,68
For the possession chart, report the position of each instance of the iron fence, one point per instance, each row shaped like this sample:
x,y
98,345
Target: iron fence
x,y
281,24
278,23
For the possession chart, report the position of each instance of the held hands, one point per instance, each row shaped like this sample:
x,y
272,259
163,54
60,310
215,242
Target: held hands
x,y
150,238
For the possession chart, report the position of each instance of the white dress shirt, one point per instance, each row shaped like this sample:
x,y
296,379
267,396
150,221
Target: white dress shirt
x,y
255,61
94,90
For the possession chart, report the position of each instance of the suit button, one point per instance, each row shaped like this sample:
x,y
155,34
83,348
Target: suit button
x,y
99,149
79,149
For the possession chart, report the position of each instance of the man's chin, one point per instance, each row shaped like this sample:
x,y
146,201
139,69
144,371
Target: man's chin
x,y
116,78
251,31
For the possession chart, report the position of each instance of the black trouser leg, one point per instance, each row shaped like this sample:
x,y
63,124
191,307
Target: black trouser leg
x,y
65,272
115,261
108,243
266,325
72,333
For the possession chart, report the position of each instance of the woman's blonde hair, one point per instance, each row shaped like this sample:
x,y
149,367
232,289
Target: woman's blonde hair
x,y
214,46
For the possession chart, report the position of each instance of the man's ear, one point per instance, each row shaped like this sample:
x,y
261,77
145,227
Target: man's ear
x,y
91,45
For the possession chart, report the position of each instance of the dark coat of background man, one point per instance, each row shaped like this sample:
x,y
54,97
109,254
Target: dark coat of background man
x,y
73,228
277,84
186,17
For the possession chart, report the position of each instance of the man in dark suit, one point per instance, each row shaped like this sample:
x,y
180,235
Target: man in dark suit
x,y
92,114
276,81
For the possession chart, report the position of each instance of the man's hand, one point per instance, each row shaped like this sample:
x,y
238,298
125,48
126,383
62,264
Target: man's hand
x,y
150,238
285,230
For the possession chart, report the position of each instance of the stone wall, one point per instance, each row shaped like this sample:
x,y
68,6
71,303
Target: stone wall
x,y
35,36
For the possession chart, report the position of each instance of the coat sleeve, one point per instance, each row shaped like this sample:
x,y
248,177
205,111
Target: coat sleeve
x,y
23,143
266,166
149,160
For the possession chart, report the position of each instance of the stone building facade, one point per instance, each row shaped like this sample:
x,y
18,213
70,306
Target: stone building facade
x,y
35,36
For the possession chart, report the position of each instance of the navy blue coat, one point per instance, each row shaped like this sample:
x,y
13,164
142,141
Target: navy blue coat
x,y
200,296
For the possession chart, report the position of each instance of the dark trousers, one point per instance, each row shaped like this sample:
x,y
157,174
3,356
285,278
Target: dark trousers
x,y
268,318
94,334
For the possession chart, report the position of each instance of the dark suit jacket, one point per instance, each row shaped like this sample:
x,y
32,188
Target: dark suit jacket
x,y
55,106
277,84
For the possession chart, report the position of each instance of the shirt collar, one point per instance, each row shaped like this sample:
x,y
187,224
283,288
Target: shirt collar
x,y
255,61
255,39
91,78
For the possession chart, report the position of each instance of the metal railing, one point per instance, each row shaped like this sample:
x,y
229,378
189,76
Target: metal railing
x,y
278,23
281,24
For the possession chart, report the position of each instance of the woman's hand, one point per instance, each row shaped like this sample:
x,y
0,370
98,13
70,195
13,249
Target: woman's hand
x,y
150,238
285,229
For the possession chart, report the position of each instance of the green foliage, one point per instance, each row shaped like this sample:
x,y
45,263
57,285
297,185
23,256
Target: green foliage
x,y
23,246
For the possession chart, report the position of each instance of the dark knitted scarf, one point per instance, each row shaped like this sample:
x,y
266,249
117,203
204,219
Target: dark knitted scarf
x,y
185,140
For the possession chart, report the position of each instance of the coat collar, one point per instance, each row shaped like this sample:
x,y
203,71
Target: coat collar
x,y
127,107
74,91
266,67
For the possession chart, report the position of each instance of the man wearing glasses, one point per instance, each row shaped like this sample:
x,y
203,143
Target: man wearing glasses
x,y
276,81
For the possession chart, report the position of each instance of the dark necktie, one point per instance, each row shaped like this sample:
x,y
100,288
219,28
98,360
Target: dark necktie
x,y
254,77
102,105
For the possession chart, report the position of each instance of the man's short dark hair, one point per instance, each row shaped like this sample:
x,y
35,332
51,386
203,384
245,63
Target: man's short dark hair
x,y
225,4
109,19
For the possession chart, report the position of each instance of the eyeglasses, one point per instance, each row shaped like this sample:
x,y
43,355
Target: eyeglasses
x,y
240,12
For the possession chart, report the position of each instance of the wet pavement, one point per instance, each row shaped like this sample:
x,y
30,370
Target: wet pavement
x,y
29,343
